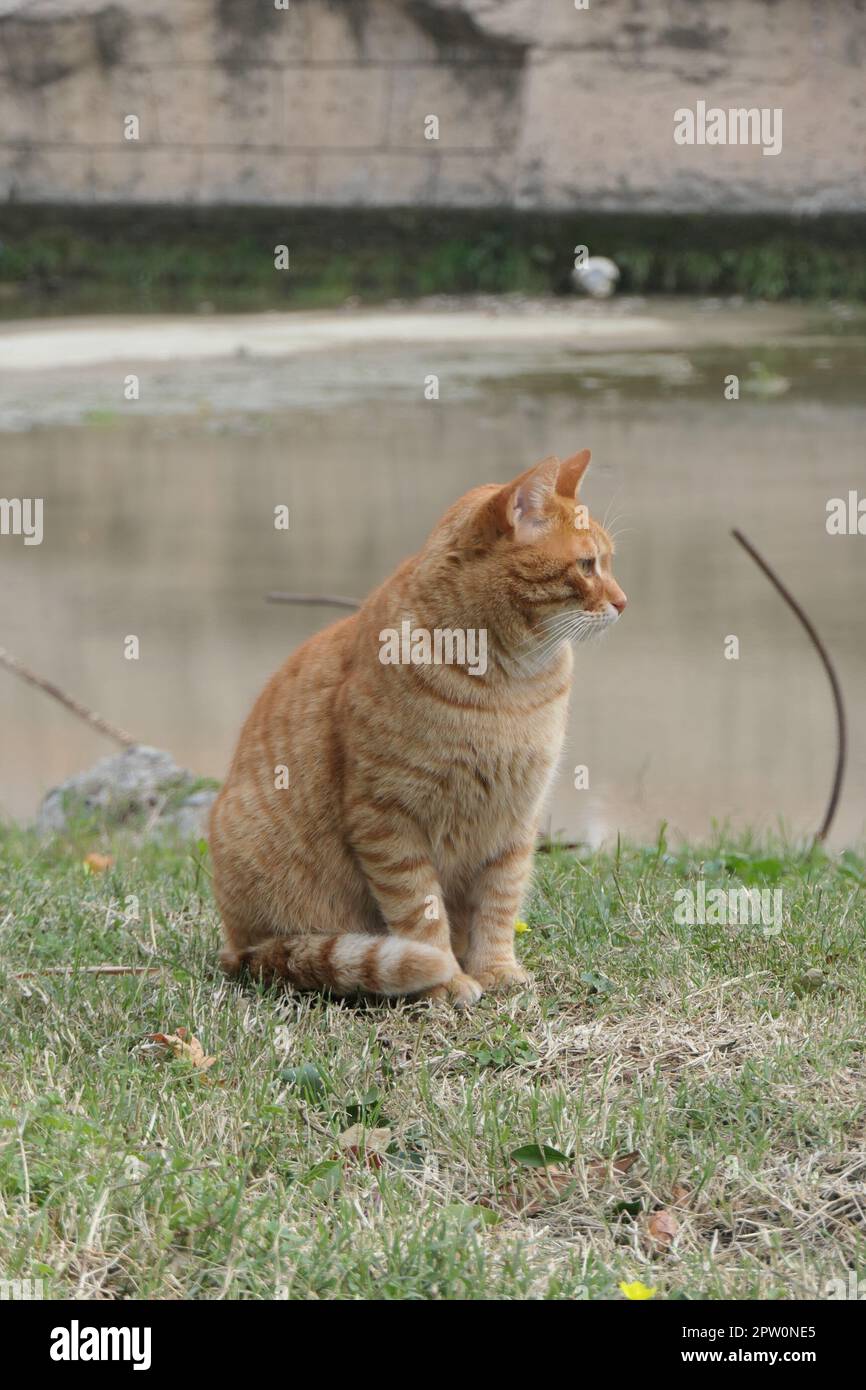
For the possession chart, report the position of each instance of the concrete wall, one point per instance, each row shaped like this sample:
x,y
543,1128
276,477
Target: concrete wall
x,y
540,105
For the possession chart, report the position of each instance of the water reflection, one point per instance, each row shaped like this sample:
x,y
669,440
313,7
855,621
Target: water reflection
x,y
163,528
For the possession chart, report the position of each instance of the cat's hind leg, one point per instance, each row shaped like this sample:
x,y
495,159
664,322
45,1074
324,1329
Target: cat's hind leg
x,y
400,875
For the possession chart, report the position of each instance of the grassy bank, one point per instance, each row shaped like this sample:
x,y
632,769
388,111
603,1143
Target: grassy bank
x,y
149,259
712,1074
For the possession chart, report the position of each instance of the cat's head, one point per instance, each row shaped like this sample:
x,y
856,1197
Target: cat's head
x,y
543,563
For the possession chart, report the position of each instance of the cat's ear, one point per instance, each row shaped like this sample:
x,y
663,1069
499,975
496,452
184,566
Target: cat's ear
x,y
571,472
523,506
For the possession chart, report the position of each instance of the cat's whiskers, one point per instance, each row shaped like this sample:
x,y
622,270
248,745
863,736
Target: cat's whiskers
x,y
559,629
609,508
534,655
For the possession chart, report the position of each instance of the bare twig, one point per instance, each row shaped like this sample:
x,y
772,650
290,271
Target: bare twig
x,y
96,721
841,727
327,600
89,970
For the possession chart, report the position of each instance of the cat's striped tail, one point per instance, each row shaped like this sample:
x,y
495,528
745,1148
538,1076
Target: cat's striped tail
x,y
345,963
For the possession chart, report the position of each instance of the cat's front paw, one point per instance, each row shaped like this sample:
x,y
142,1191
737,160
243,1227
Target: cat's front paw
x,y
461,991
502,977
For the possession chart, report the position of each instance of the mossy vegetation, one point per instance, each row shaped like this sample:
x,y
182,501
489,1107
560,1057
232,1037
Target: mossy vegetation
x,y
146,260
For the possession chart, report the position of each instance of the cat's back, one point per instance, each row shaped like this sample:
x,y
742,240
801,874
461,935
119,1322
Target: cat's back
x,y
284,779
297,695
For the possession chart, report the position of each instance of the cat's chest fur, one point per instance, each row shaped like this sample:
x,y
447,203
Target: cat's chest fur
x,y
493,777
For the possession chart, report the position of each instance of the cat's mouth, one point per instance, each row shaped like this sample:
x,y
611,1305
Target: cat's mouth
x,y
589,625
610,613
580,623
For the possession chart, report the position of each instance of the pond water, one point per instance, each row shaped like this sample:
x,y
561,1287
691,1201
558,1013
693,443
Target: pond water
x,y
158,522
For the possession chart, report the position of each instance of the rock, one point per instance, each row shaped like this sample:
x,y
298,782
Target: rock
x,y
598,277
190,819
141,788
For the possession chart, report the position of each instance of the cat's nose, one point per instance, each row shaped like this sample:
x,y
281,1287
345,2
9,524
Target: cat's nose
x,y
619,601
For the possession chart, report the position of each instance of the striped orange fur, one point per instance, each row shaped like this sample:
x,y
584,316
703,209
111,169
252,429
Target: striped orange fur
x,y
395,860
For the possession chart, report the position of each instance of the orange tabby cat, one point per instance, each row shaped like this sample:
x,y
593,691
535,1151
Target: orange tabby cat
x,y
395,860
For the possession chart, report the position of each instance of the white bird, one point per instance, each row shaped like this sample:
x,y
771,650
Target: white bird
x,y
597,276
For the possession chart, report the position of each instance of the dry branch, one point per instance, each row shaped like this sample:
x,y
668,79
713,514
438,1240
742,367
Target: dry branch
x,y
327,600
96,721
841,727
89,970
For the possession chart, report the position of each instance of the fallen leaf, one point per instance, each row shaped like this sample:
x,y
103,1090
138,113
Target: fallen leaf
x,y
307,1080
468,1213
637,1290
552,1186
366,1144
598,984
625,1208
663,1226
537,1190
812,980
324,1178
599,1166
550,1182
178,1044
97,863
681,1195
538,1156
366,1109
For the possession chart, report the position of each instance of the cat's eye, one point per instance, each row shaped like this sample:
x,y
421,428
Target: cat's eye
x,y
587,564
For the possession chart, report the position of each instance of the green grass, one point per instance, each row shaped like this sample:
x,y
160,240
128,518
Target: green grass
x,y
62,260
730,1061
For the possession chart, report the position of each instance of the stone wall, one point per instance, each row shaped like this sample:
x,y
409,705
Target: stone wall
x,y
324,102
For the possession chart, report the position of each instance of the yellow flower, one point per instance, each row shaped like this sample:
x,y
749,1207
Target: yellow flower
x,y
521,927
637,1290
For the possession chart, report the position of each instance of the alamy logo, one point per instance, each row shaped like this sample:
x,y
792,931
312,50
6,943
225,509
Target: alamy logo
x,y
444,646
77,1343
846,517
729,907
738,126
20,1290
22,516
840,1289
